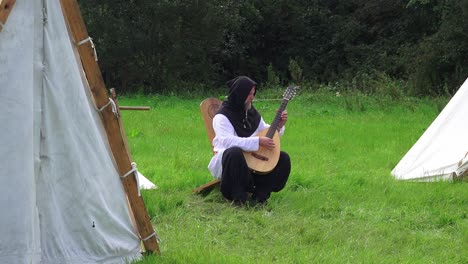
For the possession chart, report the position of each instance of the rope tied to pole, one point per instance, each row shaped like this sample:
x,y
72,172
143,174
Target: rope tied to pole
x,y
90,40
152,235
114,107
135,173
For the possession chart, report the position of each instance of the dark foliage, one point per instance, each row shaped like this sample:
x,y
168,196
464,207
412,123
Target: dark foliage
x,y
160,45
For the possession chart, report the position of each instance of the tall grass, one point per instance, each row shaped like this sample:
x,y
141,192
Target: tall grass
x,y
341,205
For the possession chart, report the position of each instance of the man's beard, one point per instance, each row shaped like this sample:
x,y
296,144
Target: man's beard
x,y
248,106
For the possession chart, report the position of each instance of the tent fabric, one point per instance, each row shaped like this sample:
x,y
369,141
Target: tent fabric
x,y
440,153
60,193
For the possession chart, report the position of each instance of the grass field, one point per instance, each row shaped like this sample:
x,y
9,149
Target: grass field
x,y
341,205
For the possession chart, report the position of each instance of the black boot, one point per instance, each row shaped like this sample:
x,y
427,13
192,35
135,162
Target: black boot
x,y
260,197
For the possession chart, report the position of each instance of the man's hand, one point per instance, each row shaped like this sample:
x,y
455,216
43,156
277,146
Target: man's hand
x,y
284,119
266,142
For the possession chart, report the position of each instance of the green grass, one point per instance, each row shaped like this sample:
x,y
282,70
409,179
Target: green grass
x,y
341,205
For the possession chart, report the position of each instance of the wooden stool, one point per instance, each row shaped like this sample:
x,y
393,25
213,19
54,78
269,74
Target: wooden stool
x,y
208,108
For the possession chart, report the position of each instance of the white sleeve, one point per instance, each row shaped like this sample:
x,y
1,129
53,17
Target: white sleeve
x,y
263,125
226,137
281,131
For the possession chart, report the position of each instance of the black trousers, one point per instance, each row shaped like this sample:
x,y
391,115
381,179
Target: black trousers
x,y
237,179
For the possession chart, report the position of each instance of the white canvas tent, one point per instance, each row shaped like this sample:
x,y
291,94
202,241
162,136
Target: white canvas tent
x,y
61,197
441,152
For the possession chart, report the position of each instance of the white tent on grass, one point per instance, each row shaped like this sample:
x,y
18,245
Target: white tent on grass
x,y
441,152
61,195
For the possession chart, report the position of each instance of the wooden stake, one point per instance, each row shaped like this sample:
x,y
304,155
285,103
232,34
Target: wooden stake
x,y
5,8
111,122
142,108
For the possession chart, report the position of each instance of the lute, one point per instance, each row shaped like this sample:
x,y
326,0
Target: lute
x,y
264,160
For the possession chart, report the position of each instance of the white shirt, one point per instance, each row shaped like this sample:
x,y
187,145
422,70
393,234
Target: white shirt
x,y
226,137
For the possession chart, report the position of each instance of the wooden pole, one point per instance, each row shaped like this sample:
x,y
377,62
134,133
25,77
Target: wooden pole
x,y
141,108
5,8
110,121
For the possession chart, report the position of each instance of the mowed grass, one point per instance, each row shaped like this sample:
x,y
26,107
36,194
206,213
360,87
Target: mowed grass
x,y
341,205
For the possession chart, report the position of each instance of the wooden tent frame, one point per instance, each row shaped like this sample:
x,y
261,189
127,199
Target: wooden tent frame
x,y
112,124
5,8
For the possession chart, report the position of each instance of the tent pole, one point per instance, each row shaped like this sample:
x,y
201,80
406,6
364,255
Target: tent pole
x,y
5,8
110,121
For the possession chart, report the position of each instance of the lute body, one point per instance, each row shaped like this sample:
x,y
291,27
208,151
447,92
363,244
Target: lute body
x,y
264,160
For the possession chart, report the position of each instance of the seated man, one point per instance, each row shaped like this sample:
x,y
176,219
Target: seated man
x,y
236,125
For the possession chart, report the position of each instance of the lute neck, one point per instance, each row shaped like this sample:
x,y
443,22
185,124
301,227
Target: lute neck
x,y
277,119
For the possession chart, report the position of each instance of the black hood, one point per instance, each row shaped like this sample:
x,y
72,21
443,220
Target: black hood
x,y
244,122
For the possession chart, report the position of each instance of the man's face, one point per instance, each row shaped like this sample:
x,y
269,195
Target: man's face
x,y
250,97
